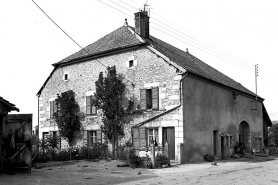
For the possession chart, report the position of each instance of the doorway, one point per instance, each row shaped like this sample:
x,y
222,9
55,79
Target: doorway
x,y
214,142
168,134
244,135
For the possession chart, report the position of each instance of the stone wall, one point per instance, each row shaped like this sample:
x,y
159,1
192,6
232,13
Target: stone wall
x,y
209,108
149,70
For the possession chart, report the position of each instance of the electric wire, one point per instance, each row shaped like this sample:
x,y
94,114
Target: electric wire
x,y
71,37
180,39
201,42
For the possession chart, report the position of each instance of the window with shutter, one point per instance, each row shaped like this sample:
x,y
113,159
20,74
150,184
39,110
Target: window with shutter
x,y
94,136
155,98
90,109
149,99
143,102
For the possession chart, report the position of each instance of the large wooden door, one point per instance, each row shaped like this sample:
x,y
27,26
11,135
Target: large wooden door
x,y
169,136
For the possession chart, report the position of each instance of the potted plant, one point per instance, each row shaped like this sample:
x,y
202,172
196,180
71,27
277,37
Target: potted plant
x,y
160,160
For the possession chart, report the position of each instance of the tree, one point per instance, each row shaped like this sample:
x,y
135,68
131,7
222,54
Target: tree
x,y
68,117
273,135
110,98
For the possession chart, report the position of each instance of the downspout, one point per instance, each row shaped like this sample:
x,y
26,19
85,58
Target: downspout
x,y
185,74
39,116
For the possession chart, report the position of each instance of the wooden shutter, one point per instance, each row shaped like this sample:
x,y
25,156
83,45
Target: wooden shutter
x,y
54,107
155,98
99,136
143,99
51,109
143,137
136,138
85,138
88,105
94,110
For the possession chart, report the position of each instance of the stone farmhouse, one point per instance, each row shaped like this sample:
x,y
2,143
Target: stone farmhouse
x,y
195,108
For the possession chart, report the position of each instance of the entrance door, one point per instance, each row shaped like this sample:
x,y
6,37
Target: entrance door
x,y
215,142
169,136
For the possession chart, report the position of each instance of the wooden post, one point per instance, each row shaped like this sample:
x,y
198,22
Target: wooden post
x,y
153,155
166,151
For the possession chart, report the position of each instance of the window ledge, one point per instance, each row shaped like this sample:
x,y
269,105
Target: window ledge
x,y
91,116
131,68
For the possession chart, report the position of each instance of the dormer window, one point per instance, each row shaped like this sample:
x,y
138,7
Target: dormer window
x,y
66,77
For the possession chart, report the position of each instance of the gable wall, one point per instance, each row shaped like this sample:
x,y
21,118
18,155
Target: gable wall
x,y
207,107
150,70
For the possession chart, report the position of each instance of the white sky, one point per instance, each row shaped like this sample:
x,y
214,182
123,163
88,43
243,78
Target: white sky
x,y
239,34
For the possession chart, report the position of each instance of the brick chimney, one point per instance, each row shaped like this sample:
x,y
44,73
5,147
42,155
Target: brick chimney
x,y
142,24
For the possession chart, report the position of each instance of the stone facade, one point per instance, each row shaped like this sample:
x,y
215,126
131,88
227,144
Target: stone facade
x,y
149,70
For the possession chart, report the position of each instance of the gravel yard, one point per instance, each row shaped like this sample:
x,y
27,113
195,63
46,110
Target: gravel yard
x,y
241,171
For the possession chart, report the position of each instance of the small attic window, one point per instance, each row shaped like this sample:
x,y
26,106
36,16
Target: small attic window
x,y
66,76
131,64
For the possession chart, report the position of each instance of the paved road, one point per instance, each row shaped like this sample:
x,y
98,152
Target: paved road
x,y
103,172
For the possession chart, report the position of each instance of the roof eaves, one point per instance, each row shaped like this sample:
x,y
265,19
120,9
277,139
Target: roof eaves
x,y
100,54
154,117
226,86
10,105
39,92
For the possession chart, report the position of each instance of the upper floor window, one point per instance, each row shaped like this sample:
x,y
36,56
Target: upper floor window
x,y
90,108
149,99
53,108
131,63
66,76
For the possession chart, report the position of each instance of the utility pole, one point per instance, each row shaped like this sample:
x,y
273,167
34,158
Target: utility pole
x,y
256,75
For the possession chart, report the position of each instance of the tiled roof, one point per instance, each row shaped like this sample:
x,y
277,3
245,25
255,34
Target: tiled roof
x,y
119,38
194,65
8,104
123,37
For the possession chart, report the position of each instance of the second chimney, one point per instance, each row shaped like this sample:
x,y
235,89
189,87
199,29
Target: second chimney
x,y
142,24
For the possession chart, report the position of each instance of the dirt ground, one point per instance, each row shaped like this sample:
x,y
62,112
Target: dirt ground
x,y
244,171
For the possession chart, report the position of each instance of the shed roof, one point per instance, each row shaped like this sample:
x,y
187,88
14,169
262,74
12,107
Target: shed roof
x,y
9,105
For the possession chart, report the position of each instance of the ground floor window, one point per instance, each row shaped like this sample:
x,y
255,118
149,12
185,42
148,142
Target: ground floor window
x,y
153,135
94,136
45,135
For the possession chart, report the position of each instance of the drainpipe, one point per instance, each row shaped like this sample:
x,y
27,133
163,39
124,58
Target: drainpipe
x,y
185,74
38,122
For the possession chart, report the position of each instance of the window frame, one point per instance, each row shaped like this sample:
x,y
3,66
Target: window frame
x,y
90,107
149,96
154,129
93,135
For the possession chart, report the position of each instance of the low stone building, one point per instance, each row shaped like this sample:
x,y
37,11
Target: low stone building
x,y
184,102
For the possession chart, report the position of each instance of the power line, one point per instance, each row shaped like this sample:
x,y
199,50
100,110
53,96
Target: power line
x,y
178,38
190,40
70,36
218,51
